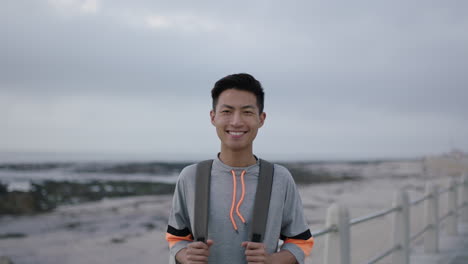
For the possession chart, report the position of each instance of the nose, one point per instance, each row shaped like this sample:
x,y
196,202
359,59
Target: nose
x,y
236,119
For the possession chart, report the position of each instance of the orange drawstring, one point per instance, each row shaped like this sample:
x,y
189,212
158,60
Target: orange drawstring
x,y
234,193
242,198
233,199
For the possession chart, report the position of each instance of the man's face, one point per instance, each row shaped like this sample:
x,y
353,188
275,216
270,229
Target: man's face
x,y
237,119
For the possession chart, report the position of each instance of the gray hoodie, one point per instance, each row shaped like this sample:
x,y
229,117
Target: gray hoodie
x,y
228,208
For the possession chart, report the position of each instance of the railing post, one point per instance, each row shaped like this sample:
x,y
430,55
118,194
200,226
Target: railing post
x,y
452,207
431,236
401,228
464,201
337,244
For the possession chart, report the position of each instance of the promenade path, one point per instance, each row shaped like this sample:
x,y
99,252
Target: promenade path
x,y
452,249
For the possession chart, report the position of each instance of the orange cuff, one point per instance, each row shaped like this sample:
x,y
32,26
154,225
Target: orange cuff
x,y
172,240
305,245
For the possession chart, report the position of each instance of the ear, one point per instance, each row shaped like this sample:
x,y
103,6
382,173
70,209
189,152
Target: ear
x,y
262,119
212,116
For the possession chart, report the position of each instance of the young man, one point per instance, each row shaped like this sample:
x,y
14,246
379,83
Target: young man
x,y
237,115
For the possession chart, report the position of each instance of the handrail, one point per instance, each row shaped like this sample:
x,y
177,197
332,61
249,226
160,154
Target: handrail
x,y
383,255
402,208
355,221
378,214
359,220
324,231
445,216
417,235
422,199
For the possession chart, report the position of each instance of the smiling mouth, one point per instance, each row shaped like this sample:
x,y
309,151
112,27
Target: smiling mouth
x,y
236,133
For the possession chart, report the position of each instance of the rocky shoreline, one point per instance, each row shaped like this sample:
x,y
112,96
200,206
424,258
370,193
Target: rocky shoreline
x,y
45,195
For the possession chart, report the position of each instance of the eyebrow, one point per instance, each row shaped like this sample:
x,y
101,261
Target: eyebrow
x,y
232,107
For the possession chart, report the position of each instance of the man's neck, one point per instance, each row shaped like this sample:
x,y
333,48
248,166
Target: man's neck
x,y
237,159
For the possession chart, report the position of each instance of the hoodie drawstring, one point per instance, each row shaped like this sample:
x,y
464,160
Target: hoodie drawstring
x,y
242,198
233,199
234,193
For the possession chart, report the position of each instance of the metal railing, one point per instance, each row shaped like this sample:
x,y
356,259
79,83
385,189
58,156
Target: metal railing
x,y
363,219
337,230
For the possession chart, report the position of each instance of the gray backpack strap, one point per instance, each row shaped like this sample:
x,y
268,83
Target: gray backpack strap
x,y
202,198
262,202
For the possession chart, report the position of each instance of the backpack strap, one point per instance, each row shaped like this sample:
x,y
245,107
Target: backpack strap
x,y
262,201
202,199
261,204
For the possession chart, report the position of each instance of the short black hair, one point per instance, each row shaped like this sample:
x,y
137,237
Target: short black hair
x,y
239,81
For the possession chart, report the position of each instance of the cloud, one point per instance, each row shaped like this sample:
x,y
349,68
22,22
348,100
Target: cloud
x,y
319,61
81,6
190,23
90,6
158,21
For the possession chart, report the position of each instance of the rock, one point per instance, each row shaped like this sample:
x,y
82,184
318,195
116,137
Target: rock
x,y
19,202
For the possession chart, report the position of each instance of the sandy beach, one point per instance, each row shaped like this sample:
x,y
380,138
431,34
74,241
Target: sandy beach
x,y
124,230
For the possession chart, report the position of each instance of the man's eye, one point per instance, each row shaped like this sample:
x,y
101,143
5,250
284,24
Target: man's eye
x,y
248,112
225,111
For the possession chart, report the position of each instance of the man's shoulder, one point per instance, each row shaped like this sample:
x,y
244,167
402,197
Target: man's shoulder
x,y
282,173
189,171
280,168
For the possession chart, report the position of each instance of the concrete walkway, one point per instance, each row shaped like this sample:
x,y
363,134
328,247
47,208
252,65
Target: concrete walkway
x,y
452,249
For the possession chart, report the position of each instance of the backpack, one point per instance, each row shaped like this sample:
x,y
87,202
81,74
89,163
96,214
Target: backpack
x,y
261,204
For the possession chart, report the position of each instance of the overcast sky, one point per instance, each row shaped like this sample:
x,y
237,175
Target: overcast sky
x,y
343,79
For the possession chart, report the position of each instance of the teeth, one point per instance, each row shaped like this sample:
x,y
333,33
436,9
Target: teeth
x,y
235,133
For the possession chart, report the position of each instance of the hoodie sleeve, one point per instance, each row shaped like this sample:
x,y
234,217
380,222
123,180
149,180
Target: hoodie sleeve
x,y
294,229
179,233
